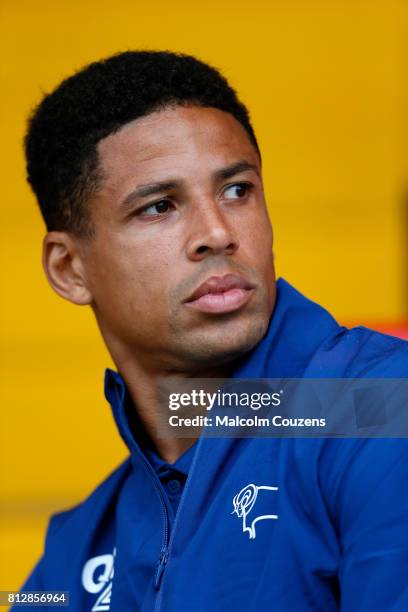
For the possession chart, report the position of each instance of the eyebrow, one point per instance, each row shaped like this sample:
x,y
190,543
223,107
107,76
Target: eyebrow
x,y
230,171
143,191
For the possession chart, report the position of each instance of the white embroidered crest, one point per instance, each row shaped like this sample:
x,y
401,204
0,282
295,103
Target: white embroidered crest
x,y
244,504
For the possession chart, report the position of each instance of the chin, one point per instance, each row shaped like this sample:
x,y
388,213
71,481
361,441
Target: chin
x,y
224,343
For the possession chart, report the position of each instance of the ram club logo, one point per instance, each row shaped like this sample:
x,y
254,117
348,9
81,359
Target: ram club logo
x,y
253,504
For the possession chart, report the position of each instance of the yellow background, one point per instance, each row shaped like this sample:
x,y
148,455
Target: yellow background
x,y
326,85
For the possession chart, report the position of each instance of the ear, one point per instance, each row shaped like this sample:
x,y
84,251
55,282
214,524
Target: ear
x,y
64,269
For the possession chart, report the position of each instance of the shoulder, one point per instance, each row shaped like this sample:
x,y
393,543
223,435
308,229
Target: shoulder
x,y
70,530
360,352
92,507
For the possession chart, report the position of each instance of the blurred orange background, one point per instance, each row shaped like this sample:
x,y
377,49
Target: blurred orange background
x,y
326,83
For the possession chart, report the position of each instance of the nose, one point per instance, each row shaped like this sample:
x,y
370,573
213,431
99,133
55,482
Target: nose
x,y
211,233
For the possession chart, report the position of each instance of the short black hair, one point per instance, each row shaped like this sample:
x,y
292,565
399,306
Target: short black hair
x,y
64,130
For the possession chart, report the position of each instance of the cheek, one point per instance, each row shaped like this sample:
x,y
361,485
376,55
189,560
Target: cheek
x,y
256,238
129,275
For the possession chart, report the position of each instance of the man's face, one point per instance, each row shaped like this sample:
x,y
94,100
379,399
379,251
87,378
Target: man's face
x,y
181,203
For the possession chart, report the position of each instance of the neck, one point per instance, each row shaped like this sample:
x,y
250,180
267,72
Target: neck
x,y
142,384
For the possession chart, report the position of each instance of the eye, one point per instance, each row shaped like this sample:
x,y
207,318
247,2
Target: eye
x,y
236,191
158,208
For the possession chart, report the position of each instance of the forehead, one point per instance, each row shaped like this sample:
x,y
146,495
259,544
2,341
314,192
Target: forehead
x,y
176,139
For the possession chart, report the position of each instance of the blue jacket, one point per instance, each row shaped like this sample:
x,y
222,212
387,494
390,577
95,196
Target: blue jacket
x,y
340,541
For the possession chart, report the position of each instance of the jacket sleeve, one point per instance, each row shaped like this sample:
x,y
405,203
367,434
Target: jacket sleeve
x,y
372,515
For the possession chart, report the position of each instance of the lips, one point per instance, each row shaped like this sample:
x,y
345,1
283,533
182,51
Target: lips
x,y
221,294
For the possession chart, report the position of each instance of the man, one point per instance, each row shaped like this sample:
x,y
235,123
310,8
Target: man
x,y
148,175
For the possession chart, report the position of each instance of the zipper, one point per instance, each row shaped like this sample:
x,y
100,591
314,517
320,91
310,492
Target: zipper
x,y
166,551
164,555
165,513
